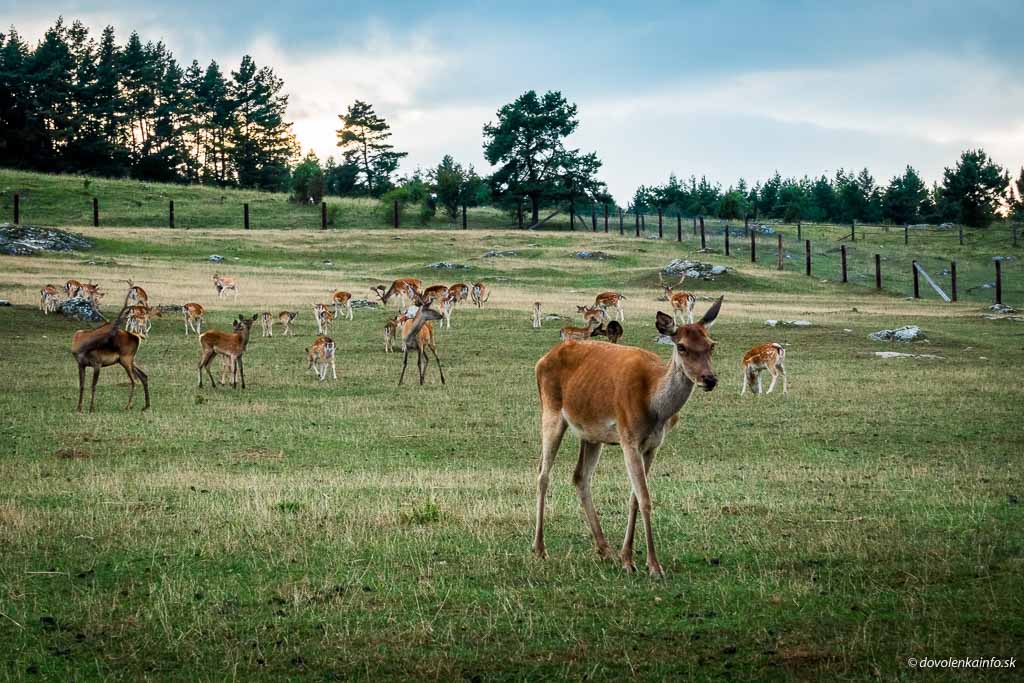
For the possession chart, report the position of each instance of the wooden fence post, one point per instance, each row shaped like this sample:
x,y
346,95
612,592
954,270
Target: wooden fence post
x,y
323,215
753,246
593,218
572,216
636,215
679,227
643,223
999,282
694,226
853,230
465,220
807,256
703,236
95,212
952,277
622,229
917,290
878,271
799,231
781,253
746,223
170,213
842,252
961,234
519,214
245,216
395,220
1014,231
17,208
606,219
661,232
727,240
906,233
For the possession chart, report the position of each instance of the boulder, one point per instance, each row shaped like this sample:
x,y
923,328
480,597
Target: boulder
x,y
1003,258
693,269
80,308
1002,308
552,316
25,240
598,255
215,258
447,265
788,323
896,354
494,253
364,303
907,333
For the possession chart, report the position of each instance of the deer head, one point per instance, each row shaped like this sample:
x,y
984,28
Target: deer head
x,y
693,346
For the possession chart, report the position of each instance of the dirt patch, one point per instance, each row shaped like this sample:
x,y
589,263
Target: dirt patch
x,y
72,453
256,454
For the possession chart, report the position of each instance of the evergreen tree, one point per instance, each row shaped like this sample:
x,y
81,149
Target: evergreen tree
x,y
308,180
904,197
363,139
262,144
973,189
19,131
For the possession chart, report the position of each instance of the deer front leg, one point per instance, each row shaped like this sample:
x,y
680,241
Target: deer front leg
x,y
439,368
590,455
95,379
144,378
405,362
627,544
785,381
131,378
349,310
638,480
81,385
552,429
241,370
420,357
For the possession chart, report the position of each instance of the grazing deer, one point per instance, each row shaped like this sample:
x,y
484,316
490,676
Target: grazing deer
x,y
223,284
286,318
137,294
770,357
622,395
592,313
91,292
72,288
390,332
267,323
418,334
49,299
194,314
399,288
320,355
436,292
232,345
342,299
324,317
537,315
607,299
480,294
579,333
140,319
103,346
459,292
682,302
612,330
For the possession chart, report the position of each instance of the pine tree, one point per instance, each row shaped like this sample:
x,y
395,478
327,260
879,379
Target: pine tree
x,y
19,131
362,138
262,142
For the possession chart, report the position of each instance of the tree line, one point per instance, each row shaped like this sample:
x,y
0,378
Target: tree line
x,y
75,104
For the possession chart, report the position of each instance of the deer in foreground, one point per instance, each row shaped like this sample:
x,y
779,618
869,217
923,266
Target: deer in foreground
x,y
612,330
604,300
682,302
399,288
267,324
623,395
418,335
232,345
579,333
286,318
342,300
223,284
592,313
480,293
194,314
320,355
537,315
770,357
103,346
49,299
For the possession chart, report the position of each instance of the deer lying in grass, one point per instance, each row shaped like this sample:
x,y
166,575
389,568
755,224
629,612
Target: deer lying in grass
x,y
223,284
49,299
480,293
320,355
682,302
390,332
537,315
604,300
194,314
622,395
286,318
770,357
342,300
103,346
418,335
232,345
570,333
592,314
612,330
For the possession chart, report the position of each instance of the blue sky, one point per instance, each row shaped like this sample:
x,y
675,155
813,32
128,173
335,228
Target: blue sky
x,y
726,88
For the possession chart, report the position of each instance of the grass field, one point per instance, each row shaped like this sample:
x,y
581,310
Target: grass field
x,y
354,529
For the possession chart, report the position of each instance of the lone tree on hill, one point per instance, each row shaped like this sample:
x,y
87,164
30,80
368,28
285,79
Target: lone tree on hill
x,y
527,143
362,140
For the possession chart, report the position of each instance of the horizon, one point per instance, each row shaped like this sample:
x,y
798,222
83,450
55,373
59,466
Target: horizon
x,y
721,109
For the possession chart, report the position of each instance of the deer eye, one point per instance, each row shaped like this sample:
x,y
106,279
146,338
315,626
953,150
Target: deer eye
x,y
681,348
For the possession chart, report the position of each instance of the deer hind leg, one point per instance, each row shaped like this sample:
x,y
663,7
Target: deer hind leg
x,y
334,369
422,361
439,368
204,362
744,382
590,455
690,305
626,556
622,312
405,363
349,306
144,378
241,370
127,365
552,429
635,466
785,380
775,377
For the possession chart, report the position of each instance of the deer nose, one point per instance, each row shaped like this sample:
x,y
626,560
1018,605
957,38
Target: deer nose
x,y
709,382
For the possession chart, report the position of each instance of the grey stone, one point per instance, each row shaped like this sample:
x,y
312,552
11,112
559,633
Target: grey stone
x,y
906,333
81,309
4,302
1002,308
448,265
364,303
25,240
1004,258
599,255
693,269
494,253
788,323
215,258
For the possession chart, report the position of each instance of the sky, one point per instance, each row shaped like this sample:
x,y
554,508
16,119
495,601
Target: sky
x,y
723,89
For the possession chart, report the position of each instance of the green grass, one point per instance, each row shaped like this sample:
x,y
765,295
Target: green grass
x,y
355,529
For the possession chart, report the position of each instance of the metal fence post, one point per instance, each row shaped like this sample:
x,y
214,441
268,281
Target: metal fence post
x,y
999,282
170,213
917,290
781,253
878,271
753,246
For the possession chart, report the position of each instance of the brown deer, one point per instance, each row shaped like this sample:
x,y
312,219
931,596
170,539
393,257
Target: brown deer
x,y
480,293
537,315
223,284
570,333
91,292
342,300
770,357
140,319
324,317
592,313
232,345
194,314
137,294
267,323
320,355
682,302
436,292
103,346
604,300
418,334
459,292
287,318
72,288
49,299
399,288
623,395
390,332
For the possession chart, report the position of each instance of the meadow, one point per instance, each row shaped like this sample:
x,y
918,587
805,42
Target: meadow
x,y
355,529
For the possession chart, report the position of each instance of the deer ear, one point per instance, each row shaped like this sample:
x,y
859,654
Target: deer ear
x,y
709,317
665,324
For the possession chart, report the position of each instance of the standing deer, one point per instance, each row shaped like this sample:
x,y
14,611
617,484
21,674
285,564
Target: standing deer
x,y
770,357
103,346
481,294
223,284
390,332
537,315
682,302
323,316
194,314
592,313
286,319
418,334
72,288
400,289
140,319
137,294
91,292
459,292
320,355
49,299
606,299
267,323
342,300
232,345
613,394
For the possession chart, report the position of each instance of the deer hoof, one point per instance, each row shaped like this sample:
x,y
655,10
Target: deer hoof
x,y
606,553
540,552
627,564
655,570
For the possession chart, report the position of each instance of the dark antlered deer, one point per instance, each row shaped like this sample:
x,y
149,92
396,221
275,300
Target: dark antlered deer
x,y
418,334
231,345
623,395
103,346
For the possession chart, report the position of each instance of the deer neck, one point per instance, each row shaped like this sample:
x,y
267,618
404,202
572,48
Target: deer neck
x,y
244,334
673,390
417,323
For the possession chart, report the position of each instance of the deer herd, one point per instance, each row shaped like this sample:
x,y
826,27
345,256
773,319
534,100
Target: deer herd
x,y
606,393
